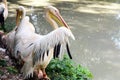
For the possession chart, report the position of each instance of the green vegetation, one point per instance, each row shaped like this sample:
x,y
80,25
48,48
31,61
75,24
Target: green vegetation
x,y
9,26
1,72
3,62
12,69
65,70
57,70
5,66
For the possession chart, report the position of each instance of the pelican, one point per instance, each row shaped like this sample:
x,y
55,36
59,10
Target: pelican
x,y
9,37
3,13
37,50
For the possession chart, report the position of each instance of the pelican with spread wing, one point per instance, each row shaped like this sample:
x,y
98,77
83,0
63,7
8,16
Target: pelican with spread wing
x,y
3,13
37,50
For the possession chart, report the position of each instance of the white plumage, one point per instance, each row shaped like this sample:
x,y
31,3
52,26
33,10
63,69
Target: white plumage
x,y
10,37
37,50
3,13
10,41
3,6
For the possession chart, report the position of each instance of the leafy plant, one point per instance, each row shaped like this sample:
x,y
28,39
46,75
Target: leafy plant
x,y
3,62
1,72
12,69
66,70
9,26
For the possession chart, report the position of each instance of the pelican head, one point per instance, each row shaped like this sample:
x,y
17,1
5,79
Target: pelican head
x,y
20,14
52,13
21,11
5,2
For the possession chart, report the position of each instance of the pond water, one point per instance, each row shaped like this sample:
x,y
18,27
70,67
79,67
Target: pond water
x,y
96,26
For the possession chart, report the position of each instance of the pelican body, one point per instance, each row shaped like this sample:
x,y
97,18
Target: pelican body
x,y
37,50
3,13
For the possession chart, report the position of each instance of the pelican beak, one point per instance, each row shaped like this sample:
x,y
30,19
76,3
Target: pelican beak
x,y
58,18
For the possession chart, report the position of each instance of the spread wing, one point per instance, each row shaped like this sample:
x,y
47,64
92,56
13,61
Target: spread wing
x,y
53,40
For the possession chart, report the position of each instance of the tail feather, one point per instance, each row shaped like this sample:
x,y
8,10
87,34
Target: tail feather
x,y
27,70
1,15
57,50
2,19
68,51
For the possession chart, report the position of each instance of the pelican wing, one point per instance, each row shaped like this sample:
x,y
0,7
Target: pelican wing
x,y
52,40
24,37
2,7
3,11
10,39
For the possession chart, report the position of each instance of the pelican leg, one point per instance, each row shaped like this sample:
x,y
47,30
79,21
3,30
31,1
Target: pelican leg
x,y
45,77
44,73
39,73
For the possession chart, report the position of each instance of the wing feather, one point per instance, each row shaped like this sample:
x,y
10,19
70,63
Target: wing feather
x,y
54,39
57,50
68,51
2,7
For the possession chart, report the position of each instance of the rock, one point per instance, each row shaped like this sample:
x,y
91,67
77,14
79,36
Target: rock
x,y
7,58
2,49
3,77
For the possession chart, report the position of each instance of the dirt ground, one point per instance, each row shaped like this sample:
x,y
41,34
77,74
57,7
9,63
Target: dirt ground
x,y
7,70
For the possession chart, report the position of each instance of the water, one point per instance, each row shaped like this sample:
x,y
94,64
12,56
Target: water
x,y
96,26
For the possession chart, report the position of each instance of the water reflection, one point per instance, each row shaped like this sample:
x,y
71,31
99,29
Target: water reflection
x,y
116,35
118,16
34,18
116,39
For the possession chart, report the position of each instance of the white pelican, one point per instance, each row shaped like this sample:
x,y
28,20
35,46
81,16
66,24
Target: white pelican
x,y
3,13
9,37
37,50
